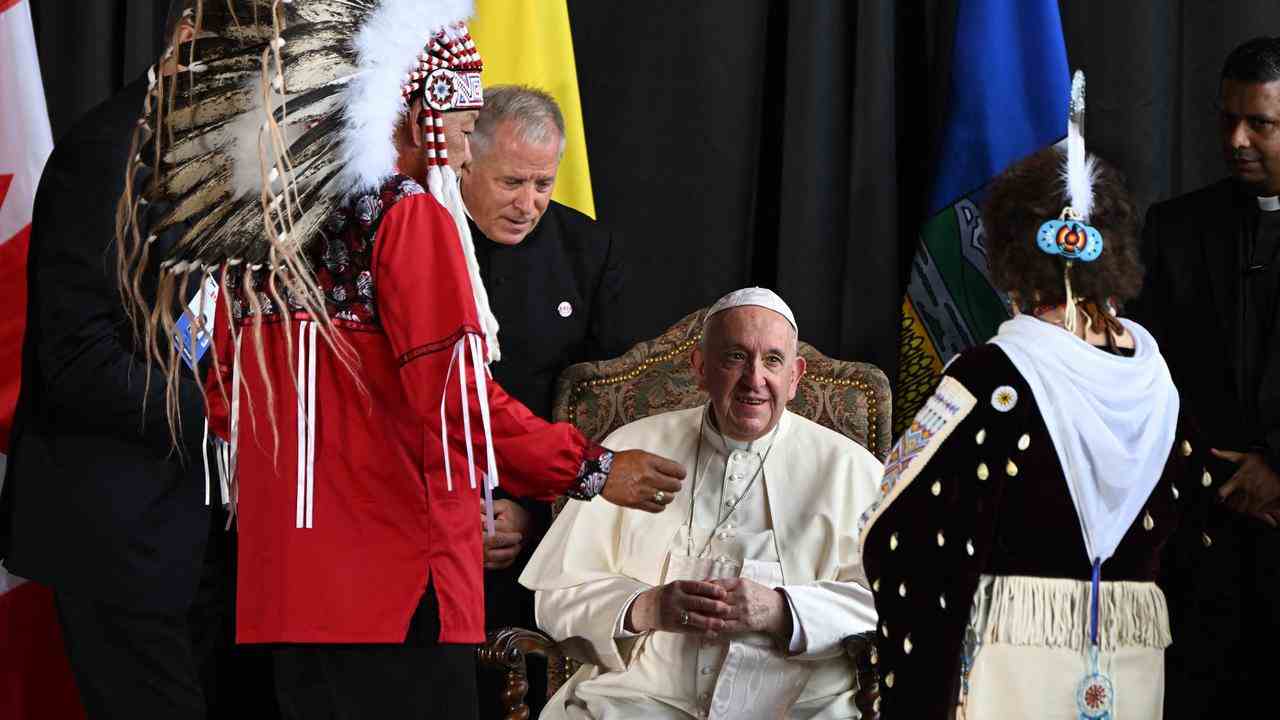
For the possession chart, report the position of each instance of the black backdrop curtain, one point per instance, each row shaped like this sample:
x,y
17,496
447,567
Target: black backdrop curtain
x,y
89,49
742,143
786,144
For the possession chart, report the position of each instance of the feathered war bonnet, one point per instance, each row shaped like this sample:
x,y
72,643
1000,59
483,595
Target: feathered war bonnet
x,y
1070,235
261,118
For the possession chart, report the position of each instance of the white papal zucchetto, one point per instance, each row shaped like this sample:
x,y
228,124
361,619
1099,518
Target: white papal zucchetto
x,y
758,296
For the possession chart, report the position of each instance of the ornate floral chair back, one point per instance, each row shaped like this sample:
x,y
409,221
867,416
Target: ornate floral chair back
x,y
654,377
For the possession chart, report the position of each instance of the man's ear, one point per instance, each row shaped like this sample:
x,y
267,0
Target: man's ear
x,y
800,366
697,360
413,116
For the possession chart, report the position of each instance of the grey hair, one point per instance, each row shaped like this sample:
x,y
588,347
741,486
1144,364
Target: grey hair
x,y
536,114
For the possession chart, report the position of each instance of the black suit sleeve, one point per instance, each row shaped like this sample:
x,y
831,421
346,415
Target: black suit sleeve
x,y
1146,309
609,335
90,379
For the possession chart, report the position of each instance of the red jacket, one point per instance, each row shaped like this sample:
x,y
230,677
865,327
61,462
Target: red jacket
x,y
344,522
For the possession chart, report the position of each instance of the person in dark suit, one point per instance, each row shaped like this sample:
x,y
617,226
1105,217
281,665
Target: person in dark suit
x,y
1210,299
98,503
555,284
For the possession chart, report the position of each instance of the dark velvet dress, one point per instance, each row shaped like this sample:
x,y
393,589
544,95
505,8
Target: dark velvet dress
x,y
979,567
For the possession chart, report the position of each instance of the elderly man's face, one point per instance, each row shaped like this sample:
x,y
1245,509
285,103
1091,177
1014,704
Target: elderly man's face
x,y
1250,125
750,369
458,126
508,187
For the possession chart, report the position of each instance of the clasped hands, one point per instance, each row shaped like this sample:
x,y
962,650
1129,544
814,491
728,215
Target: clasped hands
x,y
711,608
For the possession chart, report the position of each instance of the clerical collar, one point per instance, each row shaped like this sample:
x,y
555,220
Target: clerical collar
x,y
1269,204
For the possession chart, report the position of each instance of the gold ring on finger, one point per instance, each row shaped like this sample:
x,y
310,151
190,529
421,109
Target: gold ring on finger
x,y
684,617
659,497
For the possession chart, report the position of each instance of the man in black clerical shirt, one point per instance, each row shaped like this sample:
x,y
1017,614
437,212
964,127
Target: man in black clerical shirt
x,y
554,279
1210,299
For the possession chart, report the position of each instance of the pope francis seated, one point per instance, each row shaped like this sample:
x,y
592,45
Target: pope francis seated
x,y
733,601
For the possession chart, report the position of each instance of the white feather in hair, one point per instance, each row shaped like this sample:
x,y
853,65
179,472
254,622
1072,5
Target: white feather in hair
x,y
1080,171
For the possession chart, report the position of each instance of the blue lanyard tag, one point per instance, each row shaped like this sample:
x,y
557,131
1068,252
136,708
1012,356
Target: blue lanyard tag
x,y
197,321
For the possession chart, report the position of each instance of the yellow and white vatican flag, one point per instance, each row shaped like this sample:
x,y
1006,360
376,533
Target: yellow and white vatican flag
x,y
528,42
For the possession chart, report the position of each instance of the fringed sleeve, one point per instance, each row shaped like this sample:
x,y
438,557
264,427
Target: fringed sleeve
x,y
428,311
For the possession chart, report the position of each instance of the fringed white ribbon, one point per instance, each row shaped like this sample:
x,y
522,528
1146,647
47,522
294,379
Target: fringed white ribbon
x,y
233,451
482,394
204,453
444,423
301,494
460,349
470,343
457,356
305,506
311,422
222,455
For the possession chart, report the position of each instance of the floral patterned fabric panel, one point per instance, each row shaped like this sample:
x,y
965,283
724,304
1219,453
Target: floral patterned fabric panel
x,y
341,258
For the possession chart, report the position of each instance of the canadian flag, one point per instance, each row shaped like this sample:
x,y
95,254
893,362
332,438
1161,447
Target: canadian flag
x,y
35,679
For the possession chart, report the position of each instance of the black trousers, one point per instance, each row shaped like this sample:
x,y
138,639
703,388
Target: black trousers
x,y
418,679
129,664
180,665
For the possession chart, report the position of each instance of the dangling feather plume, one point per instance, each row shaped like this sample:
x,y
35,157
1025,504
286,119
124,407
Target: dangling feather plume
x,y
261,117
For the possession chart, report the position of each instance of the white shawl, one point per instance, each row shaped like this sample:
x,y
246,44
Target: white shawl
x,y
1112,420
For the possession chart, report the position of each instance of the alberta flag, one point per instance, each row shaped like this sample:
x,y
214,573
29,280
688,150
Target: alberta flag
x,y
1009,92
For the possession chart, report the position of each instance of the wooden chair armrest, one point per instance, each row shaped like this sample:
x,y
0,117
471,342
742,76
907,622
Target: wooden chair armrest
x,y
861,649
506,650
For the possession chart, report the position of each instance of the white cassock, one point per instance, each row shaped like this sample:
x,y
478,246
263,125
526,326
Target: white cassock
x,y
791,524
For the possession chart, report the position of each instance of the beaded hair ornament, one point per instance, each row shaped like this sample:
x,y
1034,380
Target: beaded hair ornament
x,y
1070,235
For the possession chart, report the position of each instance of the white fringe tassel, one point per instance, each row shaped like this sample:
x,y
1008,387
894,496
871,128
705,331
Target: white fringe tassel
x,y
1054,612
470,344
305,511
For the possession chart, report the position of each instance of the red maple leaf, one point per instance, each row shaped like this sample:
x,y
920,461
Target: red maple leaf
x,y
4,187
5,182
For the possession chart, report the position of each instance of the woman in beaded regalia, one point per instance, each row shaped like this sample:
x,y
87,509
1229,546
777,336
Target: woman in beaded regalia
x,y
1033,504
